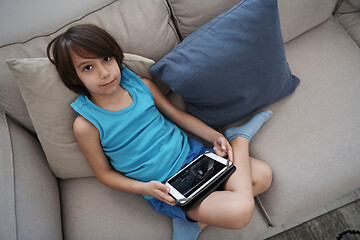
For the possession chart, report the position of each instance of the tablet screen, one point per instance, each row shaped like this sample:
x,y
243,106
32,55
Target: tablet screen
x,y
195,175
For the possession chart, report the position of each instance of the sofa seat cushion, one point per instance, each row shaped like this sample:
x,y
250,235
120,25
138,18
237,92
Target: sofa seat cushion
x,y
93,211
312,140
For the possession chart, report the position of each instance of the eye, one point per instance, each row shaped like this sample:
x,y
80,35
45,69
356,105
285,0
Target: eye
x,y
107,59
87,68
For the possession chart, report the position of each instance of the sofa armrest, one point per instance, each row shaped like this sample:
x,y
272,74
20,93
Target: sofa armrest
x,y
29,199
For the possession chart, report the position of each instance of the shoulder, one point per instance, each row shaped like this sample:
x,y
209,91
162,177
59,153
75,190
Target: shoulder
x,y
79,101
83,128
147,82
161,102
151,86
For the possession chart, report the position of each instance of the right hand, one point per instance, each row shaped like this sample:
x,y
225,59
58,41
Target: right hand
x,y
223,148
160,191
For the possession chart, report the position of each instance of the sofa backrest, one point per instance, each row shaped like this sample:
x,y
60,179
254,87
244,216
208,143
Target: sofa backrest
x,y
296,17
151,29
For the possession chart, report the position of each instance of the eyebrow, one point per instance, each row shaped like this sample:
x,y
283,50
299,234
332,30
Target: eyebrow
x,y
82,63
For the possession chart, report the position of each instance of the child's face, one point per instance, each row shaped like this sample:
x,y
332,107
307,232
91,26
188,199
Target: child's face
x,y
101,76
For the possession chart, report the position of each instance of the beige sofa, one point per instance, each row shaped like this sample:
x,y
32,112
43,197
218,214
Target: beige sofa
x,y
312,141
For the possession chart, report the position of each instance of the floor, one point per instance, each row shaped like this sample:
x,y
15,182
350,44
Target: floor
x,y
342,223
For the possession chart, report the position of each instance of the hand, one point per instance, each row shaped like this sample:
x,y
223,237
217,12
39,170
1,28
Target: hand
x,y
223,148
160,191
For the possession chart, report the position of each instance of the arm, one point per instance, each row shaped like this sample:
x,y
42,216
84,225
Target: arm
x,y
88,138
189,122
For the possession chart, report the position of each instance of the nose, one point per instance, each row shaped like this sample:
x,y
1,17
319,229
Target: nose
x,y
104,73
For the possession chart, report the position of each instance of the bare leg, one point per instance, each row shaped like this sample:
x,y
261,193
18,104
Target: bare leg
x,y
261,175
261,179
233,207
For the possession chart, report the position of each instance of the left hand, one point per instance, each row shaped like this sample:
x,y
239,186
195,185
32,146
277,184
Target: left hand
x,y
223,148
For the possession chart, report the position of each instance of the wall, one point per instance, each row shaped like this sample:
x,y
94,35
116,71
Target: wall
x,y
22,19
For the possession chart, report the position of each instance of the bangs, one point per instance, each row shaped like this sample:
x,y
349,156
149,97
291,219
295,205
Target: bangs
x,y
89,41
89,50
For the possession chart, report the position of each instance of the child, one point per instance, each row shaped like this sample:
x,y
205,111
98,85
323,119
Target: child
x,y
121,118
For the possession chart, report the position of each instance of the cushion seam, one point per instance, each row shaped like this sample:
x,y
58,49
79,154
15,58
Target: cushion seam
x,y
170,20
175,20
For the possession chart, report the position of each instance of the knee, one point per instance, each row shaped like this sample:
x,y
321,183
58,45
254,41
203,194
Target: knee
x,y
241,214
267,177
264,178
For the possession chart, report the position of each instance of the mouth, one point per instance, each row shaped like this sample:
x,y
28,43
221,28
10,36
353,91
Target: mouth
x,y
108,83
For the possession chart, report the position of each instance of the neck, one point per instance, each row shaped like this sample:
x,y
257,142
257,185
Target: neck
x,y
114,102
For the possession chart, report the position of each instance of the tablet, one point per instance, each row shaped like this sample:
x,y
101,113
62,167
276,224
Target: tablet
x,y
197,176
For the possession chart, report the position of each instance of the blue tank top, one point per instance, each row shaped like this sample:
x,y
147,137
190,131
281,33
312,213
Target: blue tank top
x,y
140,142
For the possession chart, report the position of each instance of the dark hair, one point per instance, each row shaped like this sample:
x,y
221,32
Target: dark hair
x,y
87,41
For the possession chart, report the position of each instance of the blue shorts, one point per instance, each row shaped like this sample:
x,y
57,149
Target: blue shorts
x,y
196,149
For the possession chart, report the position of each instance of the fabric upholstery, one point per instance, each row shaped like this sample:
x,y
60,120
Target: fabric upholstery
x,y
7,185
311,142
348,14
48,102
187,17
93,211
296,17
232,65
30,201
347,6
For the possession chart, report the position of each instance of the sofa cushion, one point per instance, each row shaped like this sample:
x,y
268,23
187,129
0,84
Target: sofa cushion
x,y
30,201
312,140
48,102
141,27
187,17
7,185
296,17
231,66
93,211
